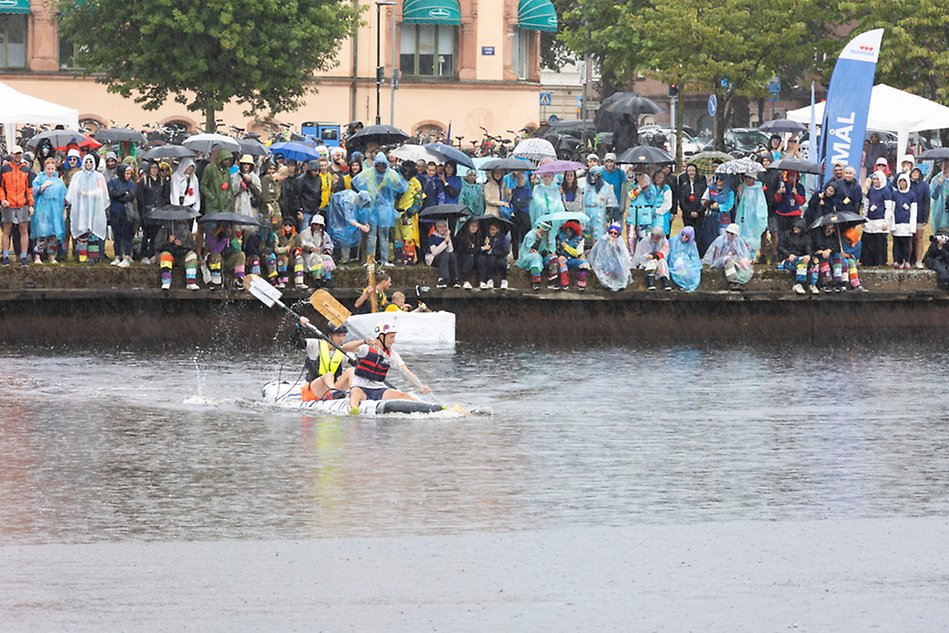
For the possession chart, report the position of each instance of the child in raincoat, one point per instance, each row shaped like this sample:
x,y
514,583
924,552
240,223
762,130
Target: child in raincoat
x,y
609,258
406,227
570,256
48,224
598,197
685,265
751,214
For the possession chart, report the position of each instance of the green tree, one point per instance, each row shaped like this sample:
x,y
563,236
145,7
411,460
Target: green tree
x,y
261,53
915,51
703,44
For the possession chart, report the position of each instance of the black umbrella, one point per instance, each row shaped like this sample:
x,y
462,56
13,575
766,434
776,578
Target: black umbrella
x,y
378,134
59,138
645,155
782,126
119,135
936,153
507,164
444,212
230,218
168,151
172,212
616,105
840,217
485,220
796,164
253,147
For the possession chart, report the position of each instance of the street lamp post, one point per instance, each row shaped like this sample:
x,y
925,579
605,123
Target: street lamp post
x,y
380,70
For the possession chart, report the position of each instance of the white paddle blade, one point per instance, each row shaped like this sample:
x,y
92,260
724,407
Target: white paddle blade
x,y
267,294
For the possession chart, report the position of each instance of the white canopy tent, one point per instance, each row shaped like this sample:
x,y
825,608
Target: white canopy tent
x,y
17,108
891,110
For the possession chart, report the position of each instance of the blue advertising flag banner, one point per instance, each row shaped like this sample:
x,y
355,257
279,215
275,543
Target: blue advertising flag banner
x,y
848,102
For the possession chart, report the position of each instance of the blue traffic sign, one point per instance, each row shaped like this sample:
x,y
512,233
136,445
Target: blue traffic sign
x,y
712,105
774,87
546,98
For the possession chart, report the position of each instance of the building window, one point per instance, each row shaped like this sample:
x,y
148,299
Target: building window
x,y
13,41
67,54
427,50
522,50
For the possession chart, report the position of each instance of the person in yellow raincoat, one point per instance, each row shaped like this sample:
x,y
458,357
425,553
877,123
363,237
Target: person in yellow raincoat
x,y
407,207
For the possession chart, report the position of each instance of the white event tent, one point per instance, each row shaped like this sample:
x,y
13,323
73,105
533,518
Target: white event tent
x,y
17,108
891,110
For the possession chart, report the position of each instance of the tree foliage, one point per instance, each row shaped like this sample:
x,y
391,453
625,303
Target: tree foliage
x,y
261,53
915,51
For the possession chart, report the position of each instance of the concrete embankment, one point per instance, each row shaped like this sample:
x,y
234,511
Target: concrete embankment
x,y
102,305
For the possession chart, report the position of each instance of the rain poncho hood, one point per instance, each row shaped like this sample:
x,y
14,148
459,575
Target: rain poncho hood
x,y
185,189
543,244
655,243
611,262
724,246
752,214
685,265
88,196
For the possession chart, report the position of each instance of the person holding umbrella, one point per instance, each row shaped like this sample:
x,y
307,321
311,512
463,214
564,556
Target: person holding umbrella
x,y
174,243
214,188
225,251
795,254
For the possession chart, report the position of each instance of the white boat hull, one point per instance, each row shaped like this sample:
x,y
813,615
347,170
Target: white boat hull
x,y
286,394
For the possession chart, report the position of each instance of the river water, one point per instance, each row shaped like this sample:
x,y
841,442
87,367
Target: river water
x,y
131,448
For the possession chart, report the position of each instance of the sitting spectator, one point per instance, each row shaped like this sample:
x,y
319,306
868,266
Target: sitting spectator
x,y
288,250
651,255
794,255
363,303
224,252
492,258
536,253
467,245
730,253
821,203
174,244
570,256
685,265
48,224
259,251
318,252
830,261
441,255
398,304
937,258
609,258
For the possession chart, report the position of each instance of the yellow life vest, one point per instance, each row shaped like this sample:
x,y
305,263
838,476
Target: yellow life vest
x,y
330,359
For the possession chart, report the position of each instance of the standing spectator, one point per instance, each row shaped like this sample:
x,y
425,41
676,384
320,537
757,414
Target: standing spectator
x,y
875,151
452,183
245,190
821,203
109,166
665,211
545,198
751,213
308,193
122,193
520,209
570,190
692,186
769,179
497,196
88,198
598,198
270,189
48,224
878,209
616,178
288,195
433,188
774,147
326,186
16,198
849,196
939,192
384,185
153,191
790,197
472,193
346,224
903,229
214,188
920,189
644,201
406,226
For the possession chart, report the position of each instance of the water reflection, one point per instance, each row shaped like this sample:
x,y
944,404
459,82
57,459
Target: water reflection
x,y
130,446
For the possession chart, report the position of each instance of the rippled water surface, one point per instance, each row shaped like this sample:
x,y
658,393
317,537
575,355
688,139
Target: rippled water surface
x,y
110,446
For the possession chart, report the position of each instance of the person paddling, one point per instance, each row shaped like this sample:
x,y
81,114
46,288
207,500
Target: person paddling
x,y
374,359
327,377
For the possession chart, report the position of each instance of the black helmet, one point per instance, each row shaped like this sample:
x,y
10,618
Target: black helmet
x,y
337,329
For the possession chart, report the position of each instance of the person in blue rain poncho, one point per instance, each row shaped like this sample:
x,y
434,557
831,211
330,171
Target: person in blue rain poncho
x,y
545,198
346,221
719,199
598,196
48,224
609,258
751,214
536,252
939,192
685,265
644,200
730,253
384,185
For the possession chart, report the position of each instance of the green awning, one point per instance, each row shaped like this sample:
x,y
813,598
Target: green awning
x,y
15,6
537,15
431,12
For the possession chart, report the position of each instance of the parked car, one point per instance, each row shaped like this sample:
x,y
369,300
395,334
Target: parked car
x,y
665,138
742,140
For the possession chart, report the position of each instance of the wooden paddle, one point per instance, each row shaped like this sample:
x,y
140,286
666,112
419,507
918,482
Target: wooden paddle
x,y
373,298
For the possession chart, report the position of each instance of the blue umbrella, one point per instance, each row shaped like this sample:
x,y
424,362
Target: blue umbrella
x,y
292,150
451,153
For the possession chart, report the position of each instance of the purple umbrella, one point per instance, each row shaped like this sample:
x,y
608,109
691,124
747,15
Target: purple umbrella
x,y
558,167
